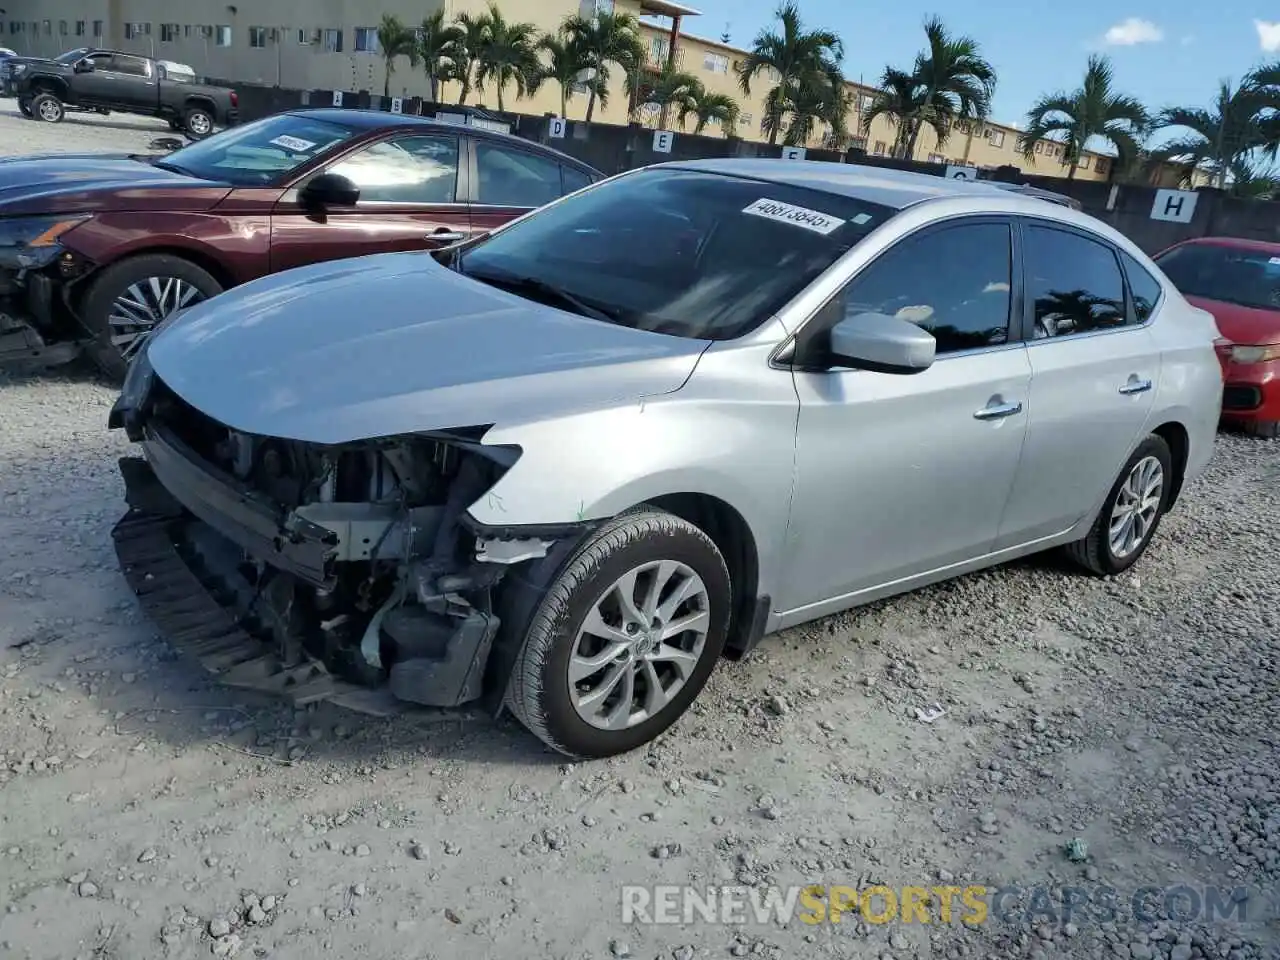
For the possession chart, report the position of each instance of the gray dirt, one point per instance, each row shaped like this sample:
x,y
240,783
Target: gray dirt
x,y
1096,734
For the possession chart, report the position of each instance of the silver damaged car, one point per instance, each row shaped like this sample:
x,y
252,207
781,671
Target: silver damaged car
x,y
565,467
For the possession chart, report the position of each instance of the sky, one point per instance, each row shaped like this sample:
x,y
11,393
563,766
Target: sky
x,y
1172,53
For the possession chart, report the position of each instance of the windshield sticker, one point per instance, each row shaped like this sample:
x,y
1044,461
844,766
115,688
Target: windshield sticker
x,y
861,218
796,216
292,143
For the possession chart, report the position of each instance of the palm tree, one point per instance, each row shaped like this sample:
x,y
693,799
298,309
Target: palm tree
x,y
669,89
395,40
438,44
1265,81
566,62
1095,110
898,99
798,58
1250,181
718,108
466,51
1234,126
508,53
954,83
808,104
606,39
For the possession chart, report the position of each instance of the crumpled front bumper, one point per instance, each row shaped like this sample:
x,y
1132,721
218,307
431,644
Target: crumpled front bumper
x,y
174,596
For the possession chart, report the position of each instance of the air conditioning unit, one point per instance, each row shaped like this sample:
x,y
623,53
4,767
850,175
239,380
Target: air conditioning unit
x,y
317,36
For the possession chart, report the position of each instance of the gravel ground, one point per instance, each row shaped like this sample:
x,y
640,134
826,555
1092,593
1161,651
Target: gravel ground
x,y
1097,735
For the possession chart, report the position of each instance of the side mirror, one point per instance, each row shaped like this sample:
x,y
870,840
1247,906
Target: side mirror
x,y
84,66
877,341
329,190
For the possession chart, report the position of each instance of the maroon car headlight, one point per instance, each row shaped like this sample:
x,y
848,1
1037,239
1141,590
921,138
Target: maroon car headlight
x,y
32,242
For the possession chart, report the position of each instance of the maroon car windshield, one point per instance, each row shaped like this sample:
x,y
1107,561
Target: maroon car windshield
x,y
261,153
1240,275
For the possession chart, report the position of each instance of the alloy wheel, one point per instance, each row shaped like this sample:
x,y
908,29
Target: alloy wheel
x,y
199,124
50,111
1136,508
143,305
639,644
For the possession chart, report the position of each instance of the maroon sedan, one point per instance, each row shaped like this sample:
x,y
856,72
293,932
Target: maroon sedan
x,y
95,250
1238,281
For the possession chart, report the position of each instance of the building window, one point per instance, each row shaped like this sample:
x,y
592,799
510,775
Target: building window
x,y
1084,163
48,28
79,28
97,28
716,63
1100,168
865,102
186,31
305,37
937,158
333,41
222,34
858,143
366,40
996,138
1039,147
257,37
169,32
658,47
62,28
746,118
879,150
15,27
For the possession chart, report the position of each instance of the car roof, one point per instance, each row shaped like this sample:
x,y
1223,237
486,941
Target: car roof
x,y
879,185
1236,243
381,120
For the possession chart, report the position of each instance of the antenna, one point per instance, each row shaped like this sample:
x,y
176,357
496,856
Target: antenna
x,y
724,37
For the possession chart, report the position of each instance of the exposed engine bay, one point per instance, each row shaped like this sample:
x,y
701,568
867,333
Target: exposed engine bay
x,y
355,558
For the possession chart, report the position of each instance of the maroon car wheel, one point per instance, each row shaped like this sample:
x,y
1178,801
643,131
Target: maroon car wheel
x,y
130,298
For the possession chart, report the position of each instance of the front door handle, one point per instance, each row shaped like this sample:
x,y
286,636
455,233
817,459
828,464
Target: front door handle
x,y
998,411
1136,386
446,236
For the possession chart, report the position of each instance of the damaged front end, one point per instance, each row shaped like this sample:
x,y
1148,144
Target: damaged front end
x,y
37,275
346,573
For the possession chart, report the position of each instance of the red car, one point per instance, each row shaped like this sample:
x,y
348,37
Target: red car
x,y
1238,281
95,250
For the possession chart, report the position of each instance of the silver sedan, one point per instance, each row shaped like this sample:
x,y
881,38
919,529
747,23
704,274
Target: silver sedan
x,y
567,465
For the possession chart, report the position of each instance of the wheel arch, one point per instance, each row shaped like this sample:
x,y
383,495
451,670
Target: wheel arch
x,y
1178,438
199,101
202,257
43,84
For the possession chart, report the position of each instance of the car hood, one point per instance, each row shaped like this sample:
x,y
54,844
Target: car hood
x,y
395,343
86,183
1244,325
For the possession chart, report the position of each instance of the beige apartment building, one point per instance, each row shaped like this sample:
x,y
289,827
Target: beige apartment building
x,y
332,44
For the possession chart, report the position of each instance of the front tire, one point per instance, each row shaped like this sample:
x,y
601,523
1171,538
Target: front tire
x,y
625,637
47,107
130,298
1131,514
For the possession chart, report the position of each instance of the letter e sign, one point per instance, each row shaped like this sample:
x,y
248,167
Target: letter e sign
x,y
1174,206
662,141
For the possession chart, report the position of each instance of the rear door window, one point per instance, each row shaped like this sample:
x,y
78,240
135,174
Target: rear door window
x,y
1074,283
514,178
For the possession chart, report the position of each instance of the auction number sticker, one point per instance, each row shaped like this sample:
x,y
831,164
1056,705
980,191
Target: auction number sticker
x,y
796,216
293,143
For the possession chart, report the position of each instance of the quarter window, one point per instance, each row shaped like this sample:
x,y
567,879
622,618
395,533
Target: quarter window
x,y
1073,283
1144,289
131,66
514,178
409,170
574,179
953,282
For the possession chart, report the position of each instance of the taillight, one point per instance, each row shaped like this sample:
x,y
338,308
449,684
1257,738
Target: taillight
x,y
235,99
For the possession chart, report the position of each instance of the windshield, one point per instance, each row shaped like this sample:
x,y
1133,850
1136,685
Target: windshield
x,y
1249,278
71,56
679,252
259,153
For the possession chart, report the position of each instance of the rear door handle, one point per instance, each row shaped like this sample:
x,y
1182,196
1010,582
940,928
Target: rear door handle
x,y
998,411
446,236
1136,386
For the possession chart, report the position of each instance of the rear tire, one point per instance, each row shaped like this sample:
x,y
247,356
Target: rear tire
x,y
47,107
637,548
1268,429
197,122
161,283
1099,552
